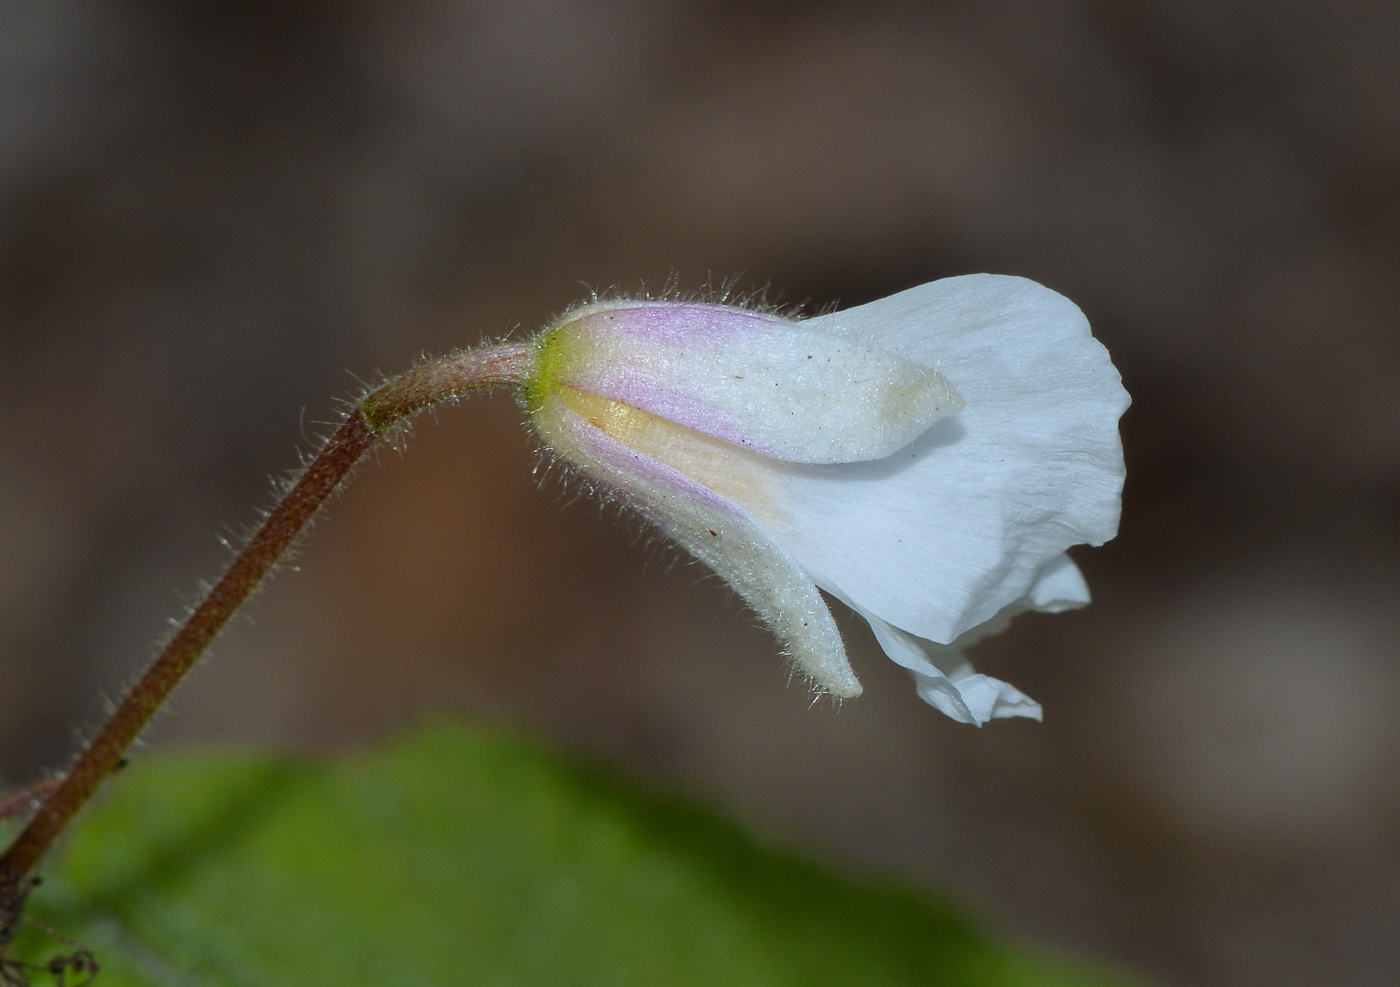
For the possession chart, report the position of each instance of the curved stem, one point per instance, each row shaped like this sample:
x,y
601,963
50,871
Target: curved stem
x,y
377,414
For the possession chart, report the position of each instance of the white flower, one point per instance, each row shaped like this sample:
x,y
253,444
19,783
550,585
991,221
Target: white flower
x,y
926,459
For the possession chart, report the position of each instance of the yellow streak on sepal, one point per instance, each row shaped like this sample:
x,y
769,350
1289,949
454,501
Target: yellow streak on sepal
x,y
741,475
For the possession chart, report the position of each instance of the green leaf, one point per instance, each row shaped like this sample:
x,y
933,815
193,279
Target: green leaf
x,y
458,856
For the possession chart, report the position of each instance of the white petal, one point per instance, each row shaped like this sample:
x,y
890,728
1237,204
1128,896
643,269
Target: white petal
x,y
944,679
988,698
795,391
1060,586
714,529
947,532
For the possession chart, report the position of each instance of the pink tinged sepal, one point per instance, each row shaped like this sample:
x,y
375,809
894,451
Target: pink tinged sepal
x,y
712,528
800,392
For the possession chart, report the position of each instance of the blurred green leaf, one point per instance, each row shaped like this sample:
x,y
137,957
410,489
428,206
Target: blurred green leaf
x,y
459,856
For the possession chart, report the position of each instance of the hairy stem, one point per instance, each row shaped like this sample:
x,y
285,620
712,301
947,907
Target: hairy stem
x,y
376,415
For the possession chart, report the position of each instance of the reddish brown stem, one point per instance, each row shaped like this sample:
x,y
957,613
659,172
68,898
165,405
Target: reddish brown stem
x,y
272,538
378,413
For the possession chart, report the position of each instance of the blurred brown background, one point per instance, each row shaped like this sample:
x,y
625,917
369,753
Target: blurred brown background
x,y
214,216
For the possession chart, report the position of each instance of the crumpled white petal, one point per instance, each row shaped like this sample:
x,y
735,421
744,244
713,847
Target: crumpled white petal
x,y
944,534
944,678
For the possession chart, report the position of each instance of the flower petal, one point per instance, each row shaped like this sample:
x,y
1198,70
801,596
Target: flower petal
x,y
795,391
947,532
1060,586
944,679
583,429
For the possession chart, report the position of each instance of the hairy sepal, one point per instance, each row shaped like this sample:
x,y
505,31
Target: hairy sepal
x,y
712,528
794,391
